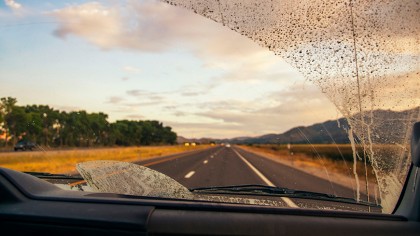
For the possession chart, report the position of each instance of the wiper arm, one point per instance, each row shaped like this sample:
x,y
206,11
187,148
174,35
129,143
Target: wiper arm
x,y
46,175
247,189
263,190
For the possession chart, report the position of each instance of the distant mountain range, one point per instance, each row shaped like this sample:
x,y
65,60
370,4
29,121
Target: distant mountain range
x,y
181,139
328,131
318,133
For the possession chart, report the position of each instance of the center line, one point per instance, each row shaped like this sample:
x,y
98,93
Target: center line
x,y
287,200
191,173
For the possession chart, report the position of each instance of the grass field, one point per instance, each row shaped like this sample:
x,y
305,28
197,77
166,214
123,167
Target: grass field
x,y
64,161
335,158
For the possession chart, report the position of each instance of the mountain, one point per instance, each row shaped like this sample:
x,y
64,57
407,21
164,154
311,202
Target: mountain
x,y
181,140
324,132
388,126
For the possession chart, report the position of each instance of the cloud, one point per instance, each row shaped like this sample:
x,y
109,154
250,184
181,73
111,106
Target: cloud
x,y
179,113
169,107
137,92
190,94
143,94
270,112
107,27
135,116
97,24
274,113
13,4
115,100
131,69
214,130
150,26
303,101
137,99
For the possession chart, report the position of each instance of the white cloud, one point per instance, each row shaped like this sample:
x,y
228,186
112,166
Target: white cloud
x,y
12,4
151,26
92,21
131,69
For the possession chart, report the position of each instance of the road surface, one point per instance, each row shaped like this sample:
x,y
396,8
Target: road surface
x,y
221,166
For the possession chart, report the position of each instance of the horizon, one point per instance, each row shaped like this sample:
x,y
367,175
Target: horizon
x,y
213,138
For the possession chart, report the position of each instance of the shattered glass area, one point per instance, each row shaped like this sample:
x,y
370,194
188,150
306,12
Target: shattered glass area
x,y
364,55
130,179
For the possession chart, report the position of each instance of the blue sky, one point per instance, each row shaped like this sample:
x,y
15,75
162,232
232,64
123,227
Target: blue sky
x,y
149,60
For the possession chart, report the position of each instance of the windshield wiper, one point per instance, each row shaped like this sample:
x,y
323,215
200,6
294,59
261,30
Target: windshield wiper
x,y
263,190
46,175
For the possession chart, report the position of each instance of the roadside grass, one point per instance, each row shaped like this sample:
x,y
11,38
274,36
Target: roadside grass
x,y
64,161
333,158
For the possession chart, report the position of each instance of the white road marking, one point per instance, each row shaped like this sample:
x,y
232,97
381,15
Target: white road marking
x,y
205,162
287,200
191,173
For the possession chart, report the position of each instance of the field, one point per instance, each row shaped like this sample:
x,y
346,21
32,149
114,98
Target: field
x,y
333,158
335,163
64,161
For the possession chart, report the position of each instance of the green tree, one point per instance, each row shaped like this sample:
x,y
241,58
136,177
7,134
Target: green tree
x,y
43,124
17,121
34,126
7,105
99,128
49,118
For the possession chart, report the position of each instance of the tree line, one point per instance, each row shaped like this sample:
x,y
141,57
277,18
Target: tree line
x,y
46,126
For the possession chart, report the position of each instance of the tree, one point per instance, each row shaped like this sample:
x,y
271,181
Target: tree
x,y
43,124
49,118
17,121
7,105
169,136
34,126
99,127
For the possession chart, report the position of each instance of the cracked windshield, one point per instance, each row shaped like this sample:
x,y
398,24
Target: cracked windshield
x,y
305,104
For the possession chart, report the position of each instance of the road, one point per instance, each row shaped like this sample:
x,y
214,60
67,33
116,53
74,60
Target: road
x,y
221,166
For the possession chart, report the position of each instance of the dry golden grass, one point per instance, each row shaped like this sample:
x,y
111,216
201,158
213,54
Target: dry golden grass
x,y
64,161
336,171
326,157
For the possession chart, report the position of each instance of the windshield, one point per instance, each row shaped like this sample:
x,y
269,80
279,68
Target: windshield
x,y
307,104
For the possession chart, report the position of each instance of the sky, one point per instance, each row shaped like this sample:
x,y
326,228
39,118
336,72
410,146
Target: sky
x,y
143,60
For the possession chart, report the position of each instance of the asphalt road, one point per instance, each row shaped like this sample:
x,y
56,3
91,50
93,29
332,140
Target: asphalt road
x,y
221,166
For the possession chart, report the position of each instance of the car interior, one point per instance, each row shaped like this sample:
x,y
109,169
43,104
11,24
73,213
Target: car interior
x,y
30,205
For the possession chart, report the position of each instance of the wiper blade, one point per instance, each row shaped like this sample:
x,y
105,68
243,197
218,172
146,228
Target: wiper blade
x,y
251,188
47,175
263,190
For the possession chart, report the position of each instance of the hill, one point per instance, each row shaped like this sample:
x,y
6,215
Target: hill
x,y
388,126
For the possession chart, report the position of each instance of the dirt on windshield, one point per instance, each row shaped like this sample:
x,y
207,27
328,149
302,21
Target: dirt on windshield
x,y
363,55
